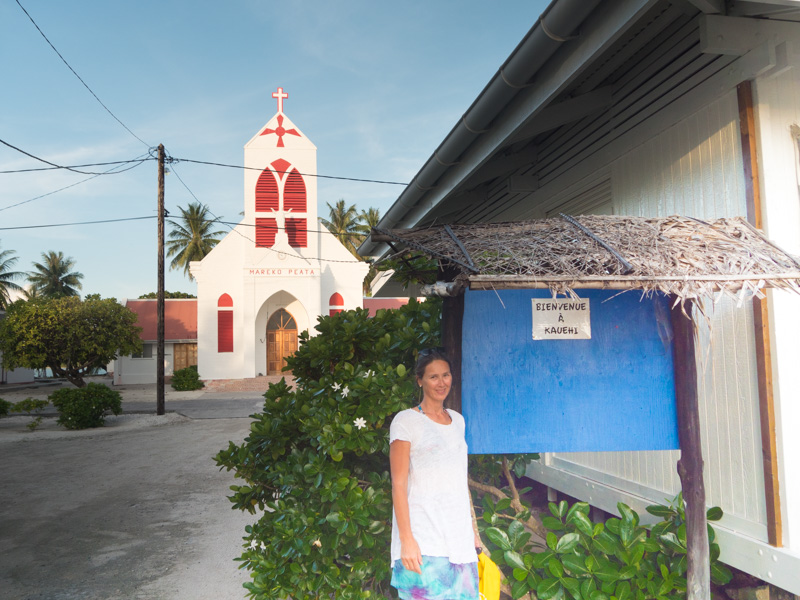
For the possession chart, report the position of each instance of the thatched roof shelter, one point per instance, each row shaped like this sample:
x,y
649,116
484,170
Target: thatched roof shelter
x,y
683,256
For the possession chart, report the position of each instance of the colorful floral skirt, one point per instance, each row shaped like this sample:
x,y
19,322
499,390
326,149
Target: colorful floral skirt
x,y
440,580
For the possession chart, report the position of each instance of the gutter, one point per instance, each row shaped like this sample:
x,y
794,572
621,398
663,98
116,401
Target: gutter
x,y
554,27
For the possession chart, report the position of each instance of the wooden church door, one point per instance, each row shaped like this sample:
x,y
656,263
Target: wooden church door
x,y
281,340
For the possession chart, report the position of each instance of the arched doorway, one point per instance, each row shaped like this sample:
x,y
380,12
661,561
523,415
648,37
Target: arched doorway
x,y
281,340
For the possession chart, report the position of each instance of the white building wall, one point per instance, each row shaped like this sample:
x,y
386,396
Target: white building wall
x,y
777,106
132,371
693,168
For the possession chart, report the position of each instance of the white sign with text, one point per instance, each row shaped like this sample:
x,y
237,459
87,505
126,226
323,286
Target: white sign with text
x,y
561,319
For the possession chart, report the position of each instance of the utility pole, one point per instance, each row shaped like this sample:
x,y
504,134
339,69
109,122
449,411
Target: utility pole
x,y
160,410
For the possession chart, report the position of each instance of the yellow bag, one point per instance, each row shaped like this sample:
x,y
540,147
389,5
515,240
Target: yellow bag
x,y
489,576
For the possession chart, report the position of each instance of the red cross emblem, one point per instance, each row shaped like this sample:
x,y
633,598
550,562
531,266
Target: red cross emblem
x,y
280,131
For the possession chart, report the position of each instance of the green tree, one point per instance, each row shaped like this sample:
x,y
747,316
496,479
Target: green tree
x,y
367,220
192,236
344,222
54,277
7,261
69,335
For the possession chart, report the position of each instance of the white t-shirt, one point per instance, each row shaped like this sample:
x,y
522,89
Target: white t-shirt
x,y
438,495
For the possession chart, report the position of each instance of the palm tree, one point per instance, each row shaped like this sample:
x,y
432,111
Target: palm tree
x,y
368,219
8,260
344,225
191,237
55,277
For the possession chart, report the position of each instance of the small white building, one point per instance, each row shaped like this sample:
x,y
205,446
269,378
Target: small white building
x,y
279,269
180,340
20,375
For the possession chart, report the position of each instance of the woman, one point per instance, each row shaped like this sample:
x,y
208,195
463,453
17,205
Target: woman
x,y
433,541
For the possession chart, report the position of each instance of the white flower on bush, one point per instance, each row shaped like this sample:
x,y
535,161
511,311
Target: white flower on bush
x,y
262,546
336,386
345,391
317,543
253,544
369,373
360,423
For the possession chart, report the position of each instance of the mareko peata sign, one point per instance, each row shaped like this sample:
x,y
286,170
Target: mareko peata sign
x,y
281,272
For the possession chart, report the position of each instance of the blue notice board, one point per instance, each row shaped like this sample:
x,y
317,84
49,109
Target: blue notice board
x,y
612,392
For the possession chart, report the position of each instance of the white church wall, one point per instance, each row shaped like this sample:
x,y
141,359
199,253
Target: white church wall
x,y
261,279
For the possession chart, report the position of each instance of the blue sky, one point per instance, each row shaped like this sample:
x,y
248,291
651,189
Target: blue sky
x,y
375,85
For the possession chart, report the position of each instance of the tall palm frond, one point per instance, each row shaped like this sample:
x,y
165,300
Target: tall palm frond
x,y
191,237
343,223
7,261
54,277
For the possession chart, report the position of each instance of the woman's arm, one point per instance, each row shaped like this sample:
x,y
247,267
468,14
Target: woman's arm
x,y
399,460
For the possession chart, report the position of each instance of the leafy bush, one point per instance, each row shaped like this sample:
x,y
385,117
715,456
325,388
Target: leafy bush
x,y
584,560
5,407
316,458
184,380
81,408
30,406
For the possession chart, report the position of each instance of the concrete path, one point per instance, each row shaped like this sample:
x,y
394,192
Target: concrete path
x,y
134,510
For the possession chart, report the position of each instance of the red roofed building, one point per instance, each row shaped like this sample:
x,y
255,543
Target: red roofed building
x,y
180,340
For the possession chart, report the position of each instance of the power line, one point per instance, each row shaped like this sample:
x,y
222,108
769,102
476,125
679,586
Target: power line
x,y
233,227
139,160
108,110
216,164
54,165
70,167
78,223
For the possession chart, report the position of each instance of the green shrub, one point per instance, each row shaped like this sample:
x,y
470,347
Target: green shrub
x,y
315,463
31,406
81,408
184,380
585,560
5,407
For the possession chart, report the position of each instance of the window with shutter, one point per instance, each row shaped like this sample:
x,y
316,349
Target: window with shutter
x,y
294,193
296,230
225,323
265,232
266,192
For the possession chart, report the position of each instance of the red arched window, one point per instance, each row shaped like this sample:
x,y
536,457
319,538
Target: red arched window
x,y
225,300
225,323
266,192
336,304
294,193
265,232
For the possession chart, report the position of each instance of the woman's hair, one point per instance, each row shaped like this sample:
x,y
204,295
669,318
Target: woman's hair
x,y
426,357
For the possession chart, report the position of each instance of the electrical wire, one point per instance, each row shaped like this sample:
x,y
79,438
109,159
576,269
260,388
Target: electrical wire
x,y
101,164
233,227
78,223
216,164
108,110
55,166
139,160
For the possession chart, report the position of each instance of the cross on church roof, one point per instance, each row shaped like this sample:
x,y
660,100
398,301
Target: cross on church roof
x,y
280,95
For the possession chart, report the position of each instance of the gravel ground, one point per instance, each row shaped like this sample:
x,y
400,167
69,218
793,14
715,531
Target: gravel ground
x,y
136,509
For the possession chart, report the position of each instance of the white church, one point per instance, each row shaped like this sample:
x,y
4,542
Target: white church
x,y
279,268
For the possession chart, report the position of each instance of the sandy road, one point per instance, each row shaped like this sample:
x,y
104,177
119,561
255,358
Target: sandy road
x,y
135,510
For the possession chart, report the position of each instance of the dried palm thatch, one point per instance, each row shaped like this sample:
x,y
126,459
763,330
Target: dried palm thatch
x,y
682,256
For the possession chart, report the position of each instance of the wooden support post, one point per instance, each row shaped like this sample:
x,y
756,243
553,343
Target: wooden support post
x,y
452,321
766,402
160,408
690,465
